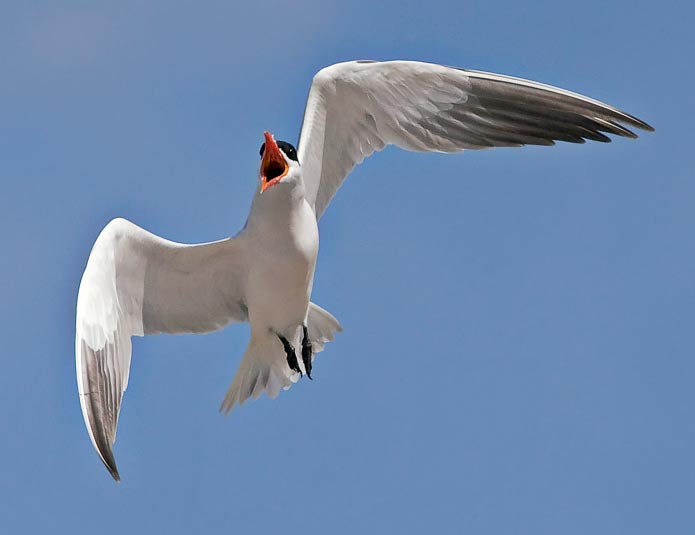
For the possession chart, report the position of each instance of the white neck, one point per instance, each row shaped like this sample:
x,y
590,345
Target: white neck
x,y
274,207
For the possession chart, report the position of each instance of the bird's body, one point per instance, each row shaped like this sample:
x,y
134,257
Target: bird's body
x,y
136,283
283,240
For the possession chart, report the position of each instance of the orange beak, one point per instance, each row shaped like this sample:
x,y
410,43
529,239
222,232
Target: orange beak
x,y
273,164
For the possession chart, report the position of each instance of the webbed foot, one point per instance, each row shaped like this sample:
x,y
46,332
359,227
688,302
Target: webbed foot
x,y
307,351
291,355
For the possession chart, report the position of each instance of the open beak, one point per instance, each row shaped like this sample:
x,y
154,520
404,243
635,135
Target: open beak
x,y
273,164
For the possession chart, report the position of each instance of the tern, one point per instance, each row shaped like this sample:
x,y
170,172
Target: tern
x,y
136,283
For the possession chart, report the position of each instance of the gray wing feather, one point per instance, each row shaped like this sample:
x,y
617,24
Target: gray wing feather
x,y
136,283
357,108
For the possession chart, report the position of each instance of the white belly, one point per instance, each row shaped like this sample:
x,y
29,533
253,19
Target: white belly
x,y
281,270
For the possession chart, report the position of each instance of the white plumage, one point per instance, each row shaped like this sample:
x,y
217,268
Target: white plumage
x,y
136,283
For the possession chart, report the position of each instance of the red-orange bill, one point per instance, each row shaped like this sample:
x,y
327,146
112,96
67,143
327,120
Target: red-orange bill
x,y
273,164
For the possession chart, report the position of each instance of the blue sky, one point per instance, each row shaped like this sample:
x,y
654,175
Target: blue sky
x,y
518,346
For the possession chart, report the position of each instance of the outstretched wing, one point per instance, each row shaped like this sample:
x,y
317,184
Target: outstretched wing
x,y
357,108
136,283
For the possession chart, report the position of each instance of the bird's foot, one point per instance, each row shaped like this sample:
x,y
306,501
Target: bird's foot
x,y
291,355
307,351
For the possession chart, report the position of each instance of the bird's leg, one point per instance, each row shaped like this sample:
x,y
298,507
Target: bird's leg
x,y
306,351
291,355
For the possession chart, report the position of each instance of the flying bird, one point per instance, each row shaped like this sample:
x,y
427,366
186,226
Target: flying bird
x,y
137,283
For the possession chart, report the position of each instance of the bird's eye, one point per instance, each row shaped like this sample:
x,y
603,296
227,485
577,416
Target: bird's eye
x,y
288,149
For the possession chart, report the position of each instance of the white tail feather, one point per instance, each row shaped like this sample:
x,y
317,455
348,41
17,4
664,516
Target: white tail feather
x,y
322,327
264,366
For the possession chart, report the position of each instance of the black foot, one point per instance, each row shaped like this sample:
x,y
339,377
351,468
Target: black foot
x,y
306,351
291,355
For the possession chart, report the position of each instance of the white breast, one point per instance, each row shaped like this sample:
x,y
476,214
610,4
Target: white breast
x,y
283,241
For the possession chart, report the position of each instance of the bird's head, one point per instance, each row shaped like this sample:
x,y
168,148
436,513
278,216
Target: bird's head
x,y
279,163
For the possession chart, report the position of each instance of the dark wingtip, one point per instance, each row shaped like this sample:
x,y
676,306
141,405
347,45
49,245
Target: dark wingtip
x,y
109,461
634,121
115,475
100,431
113,470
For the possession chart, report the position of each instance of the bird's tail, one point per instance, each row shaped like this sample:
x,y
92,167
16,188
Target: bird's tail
x,y
322,327
264,367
